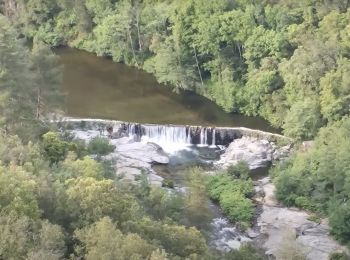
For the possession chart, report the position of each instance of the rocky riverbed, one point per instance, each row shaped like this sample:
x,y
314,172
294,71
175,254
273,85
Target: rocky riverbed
x,y
275,221
134,157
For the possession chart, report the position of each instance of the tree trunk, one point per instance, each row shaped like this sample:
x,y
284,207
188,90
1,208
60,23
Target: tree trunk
x,y
132,47
38,105
239,50
138,29
199,70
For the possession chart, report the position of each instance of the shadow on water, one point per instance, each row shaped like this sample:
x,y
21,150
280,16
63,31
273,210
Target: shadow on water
x,y
97,87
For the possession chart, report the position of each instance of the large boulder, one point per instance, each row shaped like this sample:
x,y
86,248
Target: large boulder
x,y
257,153
132,157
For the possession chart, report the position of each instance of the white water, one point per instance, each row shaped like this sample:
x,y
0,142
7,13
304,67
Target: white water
x,y
213,139
203,137
225,236
170,138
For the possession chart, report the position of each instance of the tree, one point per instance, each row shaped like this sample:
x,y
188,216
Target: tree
x,y
303,120
264,43
48,80
23,238
90,199
55,149
339,214
179,240
18,192
86,167
102,240
196,204
335,92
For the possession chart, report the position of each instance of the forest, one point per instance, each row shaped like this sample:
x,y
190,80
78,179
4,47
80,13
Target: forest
x,y
286,61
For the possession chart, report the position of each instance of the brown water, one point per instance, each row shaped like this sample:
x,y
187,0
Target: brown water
x,y
99,88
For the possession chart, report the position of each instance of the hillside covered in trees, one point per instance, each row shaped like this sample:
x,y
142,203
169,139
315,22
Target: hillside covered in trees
x,y
287,61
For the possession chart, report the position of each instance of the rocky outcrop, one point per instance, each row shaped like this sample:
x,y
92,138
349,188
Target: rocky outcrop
x,y
274,220
256,152
132,157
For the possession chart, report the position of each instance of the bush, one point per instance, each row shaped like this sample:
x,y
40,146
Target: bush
x,y
239,171
100,146
237,207
305,203
221,183
338,256
55,149
245,252
339,220
168,184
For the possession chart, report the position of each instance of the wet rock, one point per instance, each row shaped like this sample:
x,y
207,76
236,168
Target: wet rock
x,y
225,236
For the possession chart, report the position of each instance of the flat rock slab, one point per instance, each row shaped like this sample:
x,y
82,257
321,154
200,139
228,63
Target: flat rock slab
x,y
314,237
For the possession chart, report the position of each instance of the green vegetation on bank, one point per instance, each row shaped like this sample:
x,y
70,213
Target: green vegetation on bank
x,y
232,189
319,179
287,61
60,199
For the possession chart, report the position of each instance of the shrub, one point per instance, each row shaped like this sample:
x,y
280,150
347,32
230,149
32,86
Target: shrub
x,y
338,256
100,146
168,184
339,220
55,149
239,171
237,207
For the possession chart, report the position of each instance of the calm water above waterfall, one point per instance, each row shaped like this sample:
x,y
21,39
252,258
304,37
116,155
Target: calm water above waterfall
x,y
99,88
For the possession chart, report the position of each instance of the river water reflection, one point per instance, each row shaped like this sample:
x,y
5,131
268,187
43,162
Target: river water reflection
x,y
99,88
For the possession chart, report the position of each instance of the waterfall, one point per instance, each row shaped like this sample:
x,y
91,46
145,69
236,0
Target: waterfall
x,y
167,135
175,137
213,138
131,130
203,137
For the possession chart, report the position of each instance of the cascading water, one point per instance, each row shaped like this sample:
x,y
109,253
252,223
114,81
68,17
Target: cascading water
x,y
167,134
170,138
203,137
174,137
213,138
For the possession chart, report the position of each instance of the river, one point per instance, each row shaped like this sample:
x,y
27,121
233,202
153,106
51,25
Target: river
x,y
97,87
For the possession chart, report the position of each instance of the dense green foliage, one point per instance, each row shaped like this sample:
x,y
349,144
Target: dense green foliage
x,y
232,189
100,146
319,179
60,198
287,61
29,81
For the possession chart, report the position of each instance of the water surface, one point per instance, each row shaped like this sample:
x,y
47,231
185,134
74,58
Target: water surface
x,y
97,87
